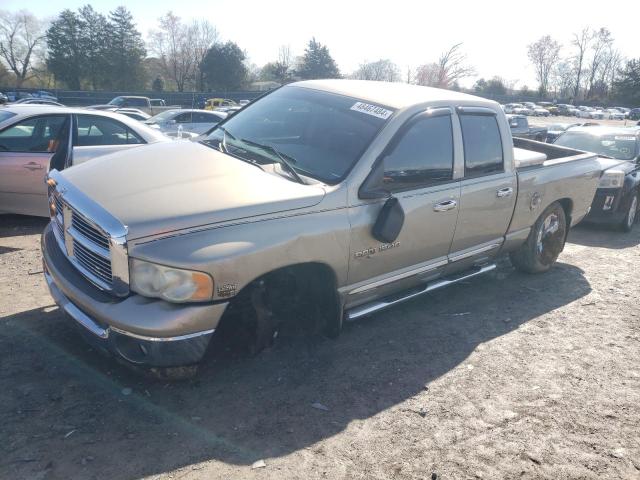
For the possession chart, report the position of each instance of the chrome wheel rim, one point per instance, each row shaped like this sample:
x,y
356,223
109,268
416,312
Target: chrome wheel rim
x,y
550,226
631,216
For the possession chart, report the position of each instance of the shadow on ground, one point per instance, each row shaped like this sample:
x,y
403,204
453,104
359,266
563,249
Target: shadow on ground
x,y
66,411
603,236
14,225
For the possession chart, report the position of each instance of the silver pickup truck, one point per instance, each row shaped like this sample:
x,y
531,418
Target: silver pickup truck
x,y
322,201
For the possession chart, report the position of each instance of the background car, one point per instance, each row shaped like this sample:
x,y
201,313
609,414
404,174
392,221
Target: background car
x,y
13,96
556,129
35,138
634,114
134,113
3,98
37,101
45,94
191,120
618,196
613,114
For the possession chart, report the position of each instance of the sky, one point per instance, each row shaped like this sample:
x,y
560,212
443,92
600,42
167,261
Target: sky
x,y
495,33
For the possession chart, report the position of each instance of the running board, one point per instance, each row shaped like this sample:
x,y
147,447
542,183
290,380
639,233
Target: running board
x,y
377,305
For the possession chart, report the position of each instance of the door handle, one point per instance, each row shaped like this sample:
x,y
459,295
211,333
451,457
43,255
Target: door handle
x,y
33,166
445,206
505,192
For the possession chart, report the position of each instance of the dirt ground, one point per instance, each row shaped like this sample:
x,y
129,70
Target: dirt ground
x,y
502,377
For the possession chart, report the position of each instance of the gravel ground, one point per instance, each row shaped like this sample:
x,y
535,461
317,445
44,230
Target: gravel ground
x,y
506,376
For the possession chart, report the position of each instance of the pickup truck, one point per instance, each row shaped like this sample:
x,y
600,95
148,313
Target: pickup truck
x,y
520,128
147,105
322,201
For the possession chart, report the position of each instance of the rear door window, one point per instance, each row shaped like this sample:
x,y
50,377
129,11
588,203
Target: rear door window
x,y
482,145
94,131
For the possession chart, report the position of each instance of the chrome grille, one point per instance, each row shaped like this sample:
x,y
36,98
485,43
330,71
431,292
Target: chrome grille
x,y
94,263
88,231
92,239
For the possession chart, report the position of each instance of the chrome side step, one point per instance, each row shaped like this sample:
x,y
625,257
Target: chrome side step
x,y
377,305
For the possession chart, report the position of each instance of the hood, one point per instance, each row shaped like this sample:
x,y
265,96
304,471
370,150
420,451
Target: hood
x,y
165,187
624,165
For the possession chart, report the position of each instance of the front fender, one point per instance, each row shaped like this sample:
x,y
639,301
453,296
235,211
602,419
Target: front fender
x,y
236,255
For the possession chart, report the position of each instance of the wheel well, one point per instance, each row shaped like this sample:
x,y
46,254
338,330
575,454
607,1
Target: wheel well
x,y
567,206
301,296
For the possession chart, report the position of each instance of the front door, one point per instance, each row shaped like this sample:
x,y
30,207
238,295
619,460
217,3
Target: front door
x,y
26,149
488,190
418,170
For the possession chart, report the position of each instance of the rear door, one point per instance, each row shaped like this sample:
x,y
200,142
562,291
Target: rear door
x,y
203,121
26,148
488,189
96,135
418,168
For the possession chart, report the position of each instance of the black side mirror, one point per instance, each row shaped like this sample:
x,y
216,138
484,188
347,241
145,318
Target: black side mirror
x,y
389,221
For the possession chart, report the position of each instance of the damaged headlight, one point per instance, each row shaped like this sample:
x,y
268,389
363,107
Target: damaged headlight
x,y
171,284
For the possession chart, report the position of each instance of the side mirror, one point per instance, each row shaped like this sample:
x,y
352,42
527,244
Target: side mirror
x,y
389,221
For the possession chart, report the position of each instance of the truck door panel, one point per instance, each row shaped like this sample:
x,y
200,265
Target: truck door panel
x,y
488,191
418,171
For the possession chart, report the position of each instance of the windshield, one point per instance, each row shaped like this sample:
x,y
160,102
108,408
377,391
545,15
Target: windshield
x,y
557,127
320,134
117,101
162,117
621,147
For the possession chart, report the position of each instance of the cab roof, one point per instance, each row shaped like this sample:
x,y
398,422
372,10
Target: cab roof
x,y
394,95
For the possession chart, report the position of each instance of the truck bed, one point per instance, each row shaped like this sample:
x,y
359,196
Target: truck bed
x,y
531,154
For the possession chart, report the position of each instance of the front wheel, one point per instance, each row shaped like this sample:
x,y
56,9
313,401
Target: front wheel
x,y
545,242
630,217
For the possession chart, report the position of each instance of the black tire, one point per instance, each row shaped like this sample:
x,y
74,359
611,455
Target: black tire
x,y
545,242
631,217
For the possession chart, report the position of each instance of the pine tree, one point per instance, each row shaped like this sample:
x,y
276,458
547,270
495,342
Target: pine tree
x,y
94,40
65,58
317,62
126,51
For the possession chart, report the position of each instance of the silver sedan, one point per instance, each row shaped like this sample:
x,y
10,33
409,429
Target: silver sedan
x,y
36,138
186,120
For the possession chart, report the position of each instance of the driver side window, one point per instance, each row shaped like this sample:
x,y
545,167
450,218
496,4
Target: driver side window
x,y
423,156
32,135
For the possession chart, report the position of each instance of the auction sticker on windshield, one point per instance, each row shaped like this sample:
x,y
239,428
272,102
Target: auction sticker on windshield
x,y
372,110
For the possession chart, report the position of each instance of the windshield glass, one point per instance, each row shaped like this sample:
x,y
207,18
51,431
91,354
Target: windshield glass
x,y
162,117
620,146
5,115
320,134
116,101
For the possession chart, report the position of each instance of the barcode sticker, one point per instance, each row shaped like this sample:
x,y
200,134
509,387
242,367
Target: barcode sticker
x,y
372,110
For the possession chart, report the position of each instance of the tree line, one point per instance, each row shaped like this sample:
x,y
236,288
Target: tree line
x,y
86,49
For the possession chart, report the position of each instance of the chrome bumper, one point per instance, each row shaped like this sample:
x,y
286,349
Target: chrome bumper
x,y
138,330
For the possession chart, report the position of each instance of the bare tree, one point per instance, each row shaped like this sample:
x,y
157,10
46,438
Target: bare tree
x,y
449,69
204,35
544,54
601,47
285,57
383,70
173,45
21,35
581,43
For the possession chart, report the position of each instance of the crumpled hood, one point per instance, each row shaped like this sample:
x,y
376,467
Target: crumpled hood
x,y
166,187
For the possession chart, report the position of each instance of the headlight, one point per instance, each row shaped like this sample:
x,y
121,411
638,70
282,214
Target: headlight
x,y
171,284
611,179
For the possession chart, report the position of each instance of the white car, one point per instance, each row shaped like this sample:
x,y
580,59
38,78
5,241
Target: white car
x,y
186,120
539,111
613,114
134,113
36,138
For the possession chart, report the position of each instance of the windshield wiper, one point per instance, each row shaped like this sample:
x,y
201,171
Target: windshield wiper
x,y
281,158
223,143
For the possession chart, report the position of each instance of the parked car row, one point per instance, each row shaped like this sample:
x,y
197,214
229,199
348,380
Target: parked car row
x,y
545,109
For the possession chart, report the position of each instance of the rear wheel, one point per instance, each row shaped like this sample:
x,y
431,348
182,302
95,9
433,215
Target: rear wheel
x,y
630,217
545,242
